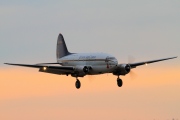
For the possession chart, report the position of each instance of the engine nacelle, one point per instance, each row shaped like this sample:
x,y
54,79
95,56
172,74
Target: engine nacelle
x,y
86,69
122,69
81,71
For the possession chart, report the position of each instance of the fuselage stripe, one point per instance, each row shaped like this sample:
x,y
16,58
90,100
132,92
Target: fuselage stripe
x,y
84,60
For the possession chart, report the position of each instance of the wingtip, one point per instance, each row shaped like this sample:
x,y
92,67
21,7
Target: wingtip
x,y
175,57
7,63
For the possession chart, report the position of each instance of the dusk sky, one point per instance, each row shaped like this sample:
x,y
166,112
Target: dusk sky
x,y
143,29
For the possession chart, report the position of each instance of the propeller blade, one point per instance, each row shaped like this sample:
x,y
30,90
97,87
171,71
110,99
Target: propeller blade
x,y
133,75
91,78
131,59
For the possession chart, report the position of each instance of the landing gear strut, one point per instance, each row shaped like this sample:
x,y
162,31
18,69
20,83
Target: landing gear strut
x,y
119,82
78,84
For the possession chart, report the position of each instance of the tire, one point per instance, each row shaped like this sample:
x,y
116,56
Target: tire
x,y
78,84
119,82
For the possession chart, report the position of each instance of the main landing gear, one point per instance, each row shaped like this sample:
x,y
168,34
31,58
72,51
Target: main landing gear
x,y
119,82
78,84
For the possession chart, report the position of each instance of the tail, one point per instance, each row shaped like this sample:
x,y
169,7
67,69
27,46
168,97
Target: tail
x,y
61,49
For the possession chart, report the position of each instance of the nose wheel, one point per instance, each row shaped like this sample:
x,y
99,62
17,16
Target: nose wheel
x,y
78,84
119,82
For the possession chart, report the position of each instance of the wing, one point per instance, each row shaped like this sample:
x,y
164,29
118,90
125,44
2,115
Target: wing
x,y
133,65
48,69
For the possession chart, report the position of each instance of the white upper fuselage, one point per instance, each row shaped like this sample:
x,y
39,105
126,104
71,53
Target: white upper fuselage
x,y
99,62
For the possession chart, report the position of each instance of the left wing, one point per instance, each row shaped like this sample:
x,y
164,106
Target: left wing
x,y
134,65
48,69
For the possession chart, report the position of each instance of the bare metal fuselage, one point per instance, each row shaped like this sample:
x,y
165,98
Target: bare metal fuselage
x,y
99,62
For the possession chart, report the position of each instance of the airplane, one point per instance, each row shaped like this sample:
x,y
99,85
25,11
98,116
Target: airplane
x,y
82,64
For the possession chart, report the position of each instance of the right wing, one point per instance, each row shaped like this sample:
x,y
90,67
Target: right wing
x,y
134,65
48,69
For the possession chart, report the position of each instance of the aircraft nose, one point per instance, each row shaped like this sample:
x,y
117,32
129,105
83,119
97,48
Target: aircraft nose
x,y
114,62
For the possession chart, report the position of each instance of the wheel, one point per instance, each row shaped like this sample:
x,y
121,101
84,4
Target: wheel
x,y
78,84
119,82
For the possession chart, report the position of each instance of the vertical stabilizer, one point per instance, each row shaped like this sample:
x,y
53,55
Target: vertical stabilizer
x,y
61,49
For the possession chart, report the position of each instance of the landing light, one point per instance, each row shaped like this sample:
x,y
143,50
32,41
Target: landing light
x,y
44,68
146,64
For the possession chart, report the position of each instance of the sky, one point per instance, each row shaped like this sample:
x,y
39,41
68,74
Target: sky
x,y
143,29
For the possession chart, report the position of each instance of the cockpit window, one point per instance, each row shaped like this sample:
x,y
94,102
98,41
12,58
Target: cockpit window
x,y
110,58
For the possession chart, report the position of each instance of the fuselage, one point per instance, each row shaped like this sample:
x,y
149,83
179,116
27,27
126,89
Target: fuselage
x,y
99,62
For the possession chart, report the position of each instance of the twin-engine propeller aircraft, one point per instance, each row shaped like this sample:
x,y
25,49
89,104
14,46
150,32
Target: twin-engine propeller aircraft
x,y
81,64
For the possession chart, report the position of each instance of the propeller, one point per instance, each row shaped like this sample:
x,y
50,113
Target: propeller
x,y
131,59
132,74
91,78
